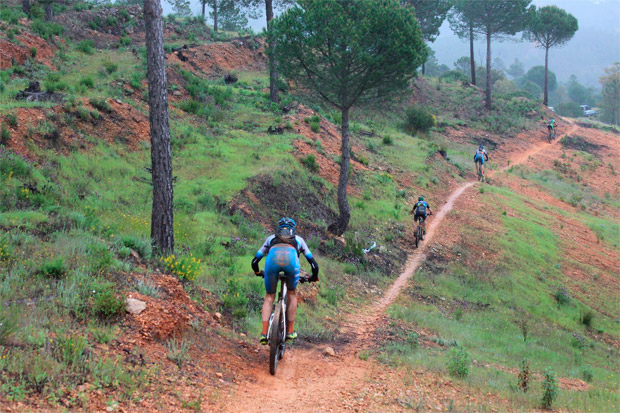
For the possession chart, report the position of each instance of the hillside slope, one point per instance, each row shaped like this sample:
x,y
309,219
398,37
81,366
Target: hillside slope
x,y
524,267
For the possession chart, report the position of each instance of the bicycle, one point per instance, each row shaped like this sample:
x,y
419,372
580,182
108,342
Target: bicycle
x,y
480,173
419,233
276,335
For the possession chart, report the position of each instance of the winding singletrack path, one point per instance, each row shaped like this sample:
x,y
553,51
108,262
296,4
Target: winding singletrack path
x,y
307,381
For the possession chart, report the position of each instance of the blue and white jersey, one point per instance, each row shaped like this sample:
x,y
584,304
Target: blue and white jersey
x,y
302,247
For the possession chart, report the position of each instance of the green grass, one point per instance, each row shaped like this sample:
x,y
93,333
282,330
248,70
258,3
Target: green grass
x,y
517,287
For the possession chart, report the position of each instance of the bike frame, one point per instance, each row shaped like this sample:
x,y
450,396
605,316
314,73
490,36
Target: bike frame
x,y
281,297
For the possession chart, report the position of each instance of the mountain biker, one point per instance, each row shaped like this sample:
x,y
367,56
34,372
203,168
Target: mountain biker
x,y
551,125
282,250
420,210
479,157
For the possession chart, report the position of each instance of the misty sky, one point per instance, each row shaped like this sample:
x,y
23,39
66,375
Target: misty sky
x,y
595,46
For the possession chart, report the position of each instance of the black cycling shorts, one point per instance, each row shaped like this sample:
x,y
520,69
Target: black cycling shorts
x,y
417,216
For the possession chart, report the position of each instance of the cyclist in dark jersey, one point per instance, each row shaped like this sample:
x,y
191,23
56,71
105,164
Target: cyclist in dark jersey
x,y
421,210
282,251
479,157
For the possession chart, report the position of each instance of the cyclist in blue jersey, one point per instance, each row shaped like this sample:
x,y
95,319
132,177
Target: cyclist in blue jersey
x,y
421,210
479,157
282,251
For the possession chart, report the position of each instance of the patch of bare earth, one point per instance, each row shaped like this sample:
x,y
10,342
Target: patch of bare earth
x,y
26,46
42,127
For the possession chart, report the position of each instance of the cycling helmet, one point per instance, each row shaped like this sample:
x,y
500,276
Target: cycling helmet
x,y
287,222
421,198
480,148
286,229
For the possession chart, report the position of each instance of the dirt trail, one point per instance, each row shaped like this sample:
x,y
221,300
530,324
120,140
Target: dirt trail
x,y
310,381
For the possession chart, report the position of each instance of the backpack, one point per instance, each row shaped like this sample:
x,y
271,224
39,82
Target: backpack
x,y
420,208
285,235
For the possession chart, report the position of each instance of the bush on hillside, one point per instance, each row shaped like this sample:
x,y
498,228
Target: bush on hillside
x,y
458,363
46,29
53,269
106,304
455,76
419,120
86,46
550,388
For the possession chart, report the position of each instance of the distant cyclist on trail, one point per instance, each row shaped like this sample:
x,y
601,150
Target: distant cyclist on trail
x,y
420,210
551,127
479,157
282,250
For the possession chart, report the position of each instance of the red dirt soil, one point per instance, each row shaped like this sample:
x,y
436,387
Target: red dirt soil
x,y
11,52
244,54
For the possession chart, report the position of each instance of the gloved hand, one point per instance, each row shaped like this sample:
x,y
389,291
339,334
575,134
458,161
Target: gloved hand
x,y
313,278
261,273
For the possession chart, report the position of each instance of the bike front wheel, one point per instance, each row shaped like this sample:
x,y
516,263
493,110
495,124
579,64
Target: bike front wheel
x,y
276,339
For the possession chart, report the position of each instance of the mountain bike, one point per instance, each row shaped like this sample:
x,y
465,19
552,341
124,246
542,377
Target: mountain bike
x,y
276,335
480,173
419,232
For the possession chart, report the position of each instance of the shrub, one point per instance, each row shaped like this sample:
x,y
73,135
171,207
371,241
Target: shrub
x,y
11,119
310,162
524,376
87,81
83,113
33,52
136,80
177,351
46,30
5,252
124,41
458,363
106,304
95,114
419,119
5,135
101,104
53,269
587,373
140,245
562,296
315,123
455,76
110,66
185,267
388,140
586,318
550,388
86,46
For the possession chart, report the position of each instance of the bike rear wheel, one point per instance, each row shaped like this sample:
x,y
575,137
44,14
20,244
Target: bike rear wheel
x,y
418,232
275,339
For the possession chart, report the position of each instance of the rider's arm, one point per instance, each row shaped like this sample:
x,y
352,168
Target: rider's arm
x,y
262,251
255,261
486,156
303,248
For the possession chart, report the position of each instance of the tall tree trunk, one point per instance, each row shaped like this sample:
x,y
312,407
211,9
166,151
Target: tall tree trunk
x,y
273,67
340,226
49,12
162,228
215,16
26,6
204,5
488,95
546,92
471,54
424,68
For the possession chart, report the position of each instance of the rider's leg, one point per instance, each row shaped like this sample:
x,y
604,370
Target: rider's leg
x,y
267,306
291,310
